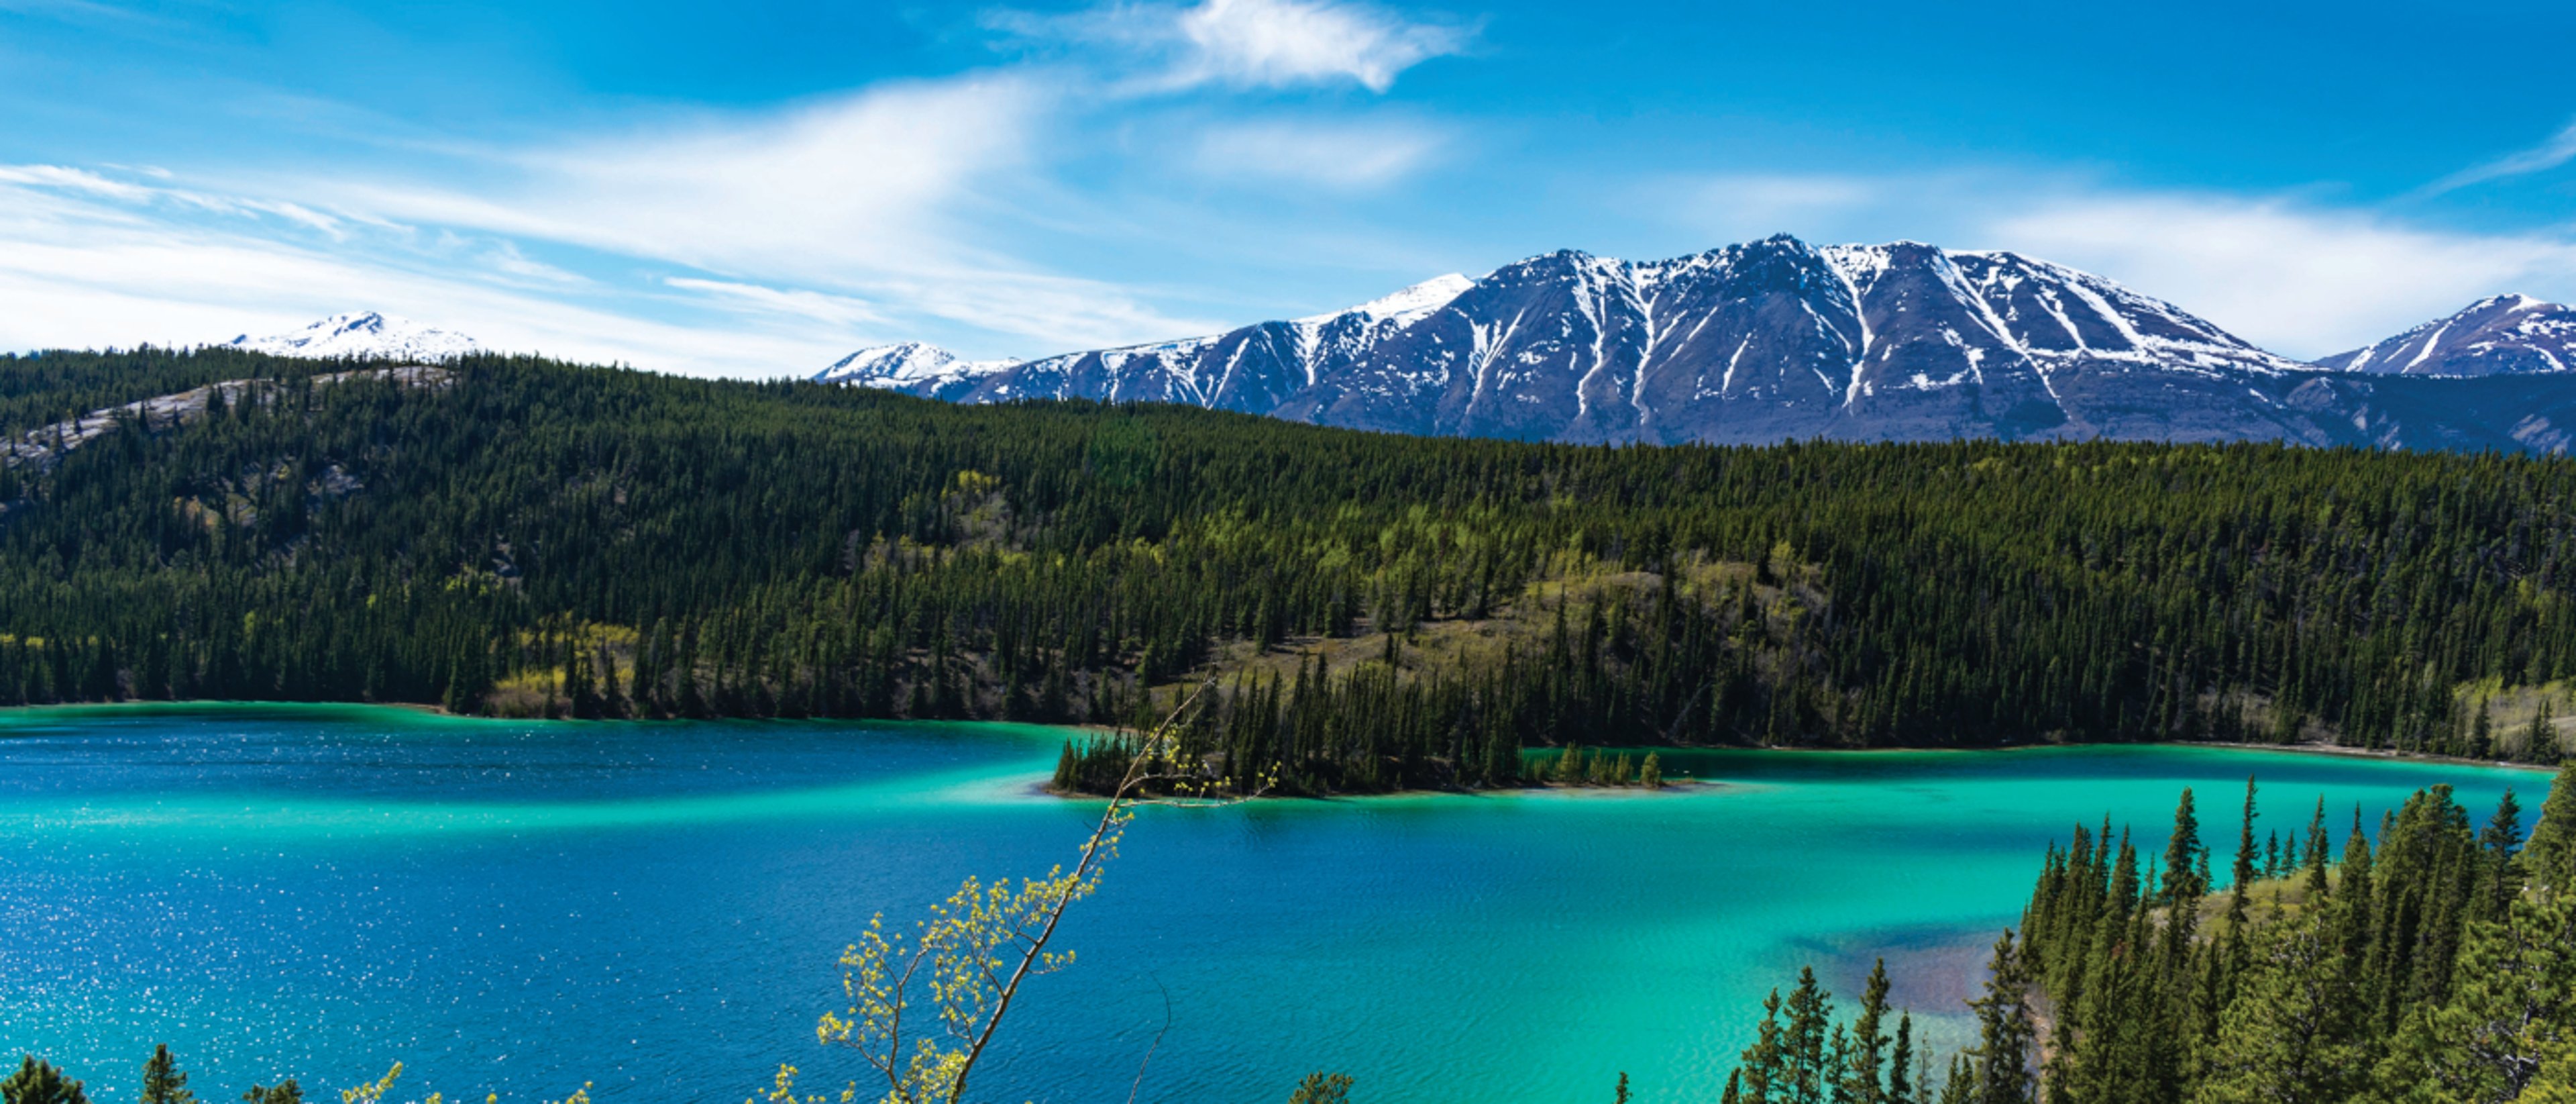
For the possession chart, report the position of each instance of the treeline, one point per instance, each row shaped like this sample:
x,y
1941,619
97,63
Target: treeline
x,y
2435,962
40,1082
533,538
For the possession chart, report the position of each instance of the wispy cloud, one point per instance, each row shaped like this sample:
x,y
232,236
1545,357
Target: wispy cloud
x,y
897,209
840,310
1250,43
1341,155
2304,280
874,213
86,182
78,266
2558,150
843,186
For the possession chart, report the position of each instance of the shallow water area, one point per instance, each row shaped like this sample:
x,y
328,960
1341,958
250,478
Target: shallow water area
x,y
522,907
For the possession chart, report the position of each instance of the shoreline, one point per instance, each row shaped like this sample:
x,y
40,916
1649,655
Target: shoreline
x,y
2383,754
1682,782
1671,786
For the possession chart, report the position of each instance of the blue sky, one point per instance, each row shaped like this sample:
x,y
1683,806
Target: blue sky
x,y
756,188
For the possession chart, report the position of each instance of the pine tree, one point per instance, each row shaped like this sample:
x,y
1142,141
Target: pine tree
x,y
2005,1030
2507,1018
2501,841
2550,857
1900,1060
163,1082
1762,1077
1862,1077
2241,876
2182,850
40,1083
2289,1036
2318,842
1807,1073
1322,1088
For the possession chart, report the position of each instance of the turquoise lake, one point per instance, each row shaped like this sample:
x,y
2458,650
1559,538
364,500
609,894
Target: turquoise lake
x,y
519,908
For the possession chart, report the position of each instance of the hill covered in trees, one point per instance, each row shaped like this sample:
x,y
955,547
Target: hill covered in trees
x,y
2427,959
524,537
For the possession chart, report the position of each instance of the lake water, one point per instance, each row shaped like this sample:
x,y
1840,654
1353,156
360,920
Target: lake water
x,y
520,907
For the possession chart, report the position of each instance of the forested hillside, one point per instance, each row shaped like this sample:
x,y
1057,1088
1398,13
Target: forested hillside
x,y
517,536
2425,959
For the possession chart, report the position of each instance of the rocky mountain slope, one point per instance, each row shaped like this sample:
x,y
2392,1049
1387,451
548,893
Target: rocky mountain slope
x,y
363,335
2503,335
925,370
1781,340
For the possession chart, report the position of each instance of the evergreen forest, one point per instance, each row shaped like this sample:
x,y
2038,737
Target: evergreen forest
x,y
2426,958
513,536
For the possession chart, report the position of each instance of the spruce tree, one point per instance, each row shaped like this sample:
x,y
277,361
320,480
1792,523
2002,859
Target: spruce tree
x,y
1322,1088
2182,851
163,1082
2501,841
2290,1036
2241,876
1863,1079
1762,1076
40,1083
1807,1074
2006,1031
1900,1061
2318,842
2507,1018
2550,856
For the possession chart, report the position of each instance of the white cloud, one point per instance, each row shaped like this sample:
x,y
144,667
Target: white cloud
x,y
882,195
2304,281
1283,42
863,213
2558,150
902,209
850,185
1337,155
2298,277
839,310
80,272
1251,43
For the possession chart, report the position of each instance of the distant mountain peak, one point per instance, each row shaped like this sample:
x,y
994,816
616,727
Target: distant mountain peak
x,y
1406,305
2511,334
363,335
912,366
1768,340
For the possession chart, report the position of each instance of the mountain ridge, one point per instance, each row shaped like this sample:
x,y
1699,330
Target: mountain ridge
x,y
2497,335
1762,342
362,335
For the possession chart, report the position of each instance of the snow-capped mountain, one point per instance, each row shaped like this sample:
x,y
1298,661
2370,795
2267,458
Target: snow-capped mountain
x,y
1778,340
2505,334
911,367
1764,341
364,335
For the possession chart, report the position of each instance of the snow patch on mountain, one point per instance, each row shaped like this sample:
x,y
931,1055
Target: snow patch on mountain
x,y
1406,306
2498,335
1779,340
907,366
362,335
